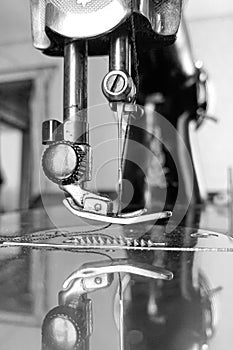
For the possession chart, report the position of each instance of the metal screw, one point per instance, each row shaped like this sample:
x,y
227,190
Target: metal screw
x,y
97,207
115,83
98,280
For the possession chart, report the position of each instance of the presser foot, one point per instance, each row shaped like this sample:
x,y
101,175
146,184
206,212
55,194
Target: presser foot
x,y
120,219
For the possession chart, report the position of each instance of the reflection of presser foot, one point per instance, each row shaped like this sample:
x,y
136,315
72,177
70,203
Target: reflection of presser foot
x,y
71,324
121,219
85,278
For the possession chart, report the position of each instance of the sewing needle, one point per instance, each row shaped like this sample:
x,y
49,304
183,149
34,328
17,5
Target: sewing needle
x,y
120,106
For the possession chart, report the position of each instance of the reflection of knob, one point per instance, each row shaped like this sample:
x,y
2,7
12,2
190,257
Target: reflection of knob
x,y
64,162
64,328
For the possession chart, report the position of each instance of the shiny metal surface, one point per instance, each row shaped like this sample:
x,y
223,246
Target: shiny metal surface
x,y
120,52
118,86
192,311
67,340
60,161
66,162
116,266
95,215
87,19
75,85
51,131
39,37
85,202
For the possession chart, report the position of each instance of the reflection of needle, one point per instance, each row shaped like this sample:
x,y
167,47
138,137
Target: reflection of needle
x,y
121,314
120,136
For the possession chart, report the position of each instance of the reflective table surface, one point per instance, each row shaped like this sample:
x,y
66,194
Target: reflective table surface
x,y
191,310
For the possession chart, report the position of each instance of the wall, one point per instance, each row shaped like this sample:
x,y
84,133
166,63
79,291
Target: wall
x,y
10,170
211,25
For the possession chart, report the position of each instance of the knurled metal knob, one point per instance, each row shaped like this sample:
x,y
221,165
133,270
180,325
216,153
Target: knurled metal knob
x,y
64,328
64,162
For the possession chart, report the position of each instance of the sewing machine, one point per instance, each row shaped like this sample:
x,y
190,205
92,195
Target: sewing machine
x,y
145,77
155,90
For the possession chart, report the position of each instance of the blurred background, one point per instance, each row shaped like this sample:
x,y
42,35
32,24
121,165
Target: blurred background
x,y
31,91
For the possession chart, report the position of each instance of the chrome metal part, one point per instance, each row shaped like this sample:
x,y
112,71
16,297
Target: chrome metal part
x,y
89,19
52,131
68,326
118,85
68,159
76,192
134,110
121,241
95,240
112,240
98,241
76,126
75,83
154,247
120,154
71,19
118,266
202,95
98,275
120,53
66,162
97,204
83,285
87,201
39,36
76,129
121,220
